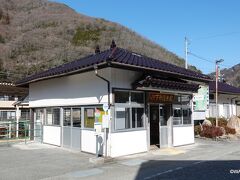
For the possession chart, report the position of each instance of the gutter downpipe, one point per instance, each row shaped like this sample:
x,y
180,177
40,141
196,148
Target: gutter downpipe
x,y
108,89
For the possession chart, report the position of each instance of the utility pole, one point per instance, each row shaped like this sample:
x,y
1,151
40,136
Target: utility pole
x,y
186,52
217,74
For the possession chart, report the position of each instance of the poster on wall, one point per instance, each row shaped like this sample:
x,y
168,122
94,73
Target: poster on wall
x,y
201,99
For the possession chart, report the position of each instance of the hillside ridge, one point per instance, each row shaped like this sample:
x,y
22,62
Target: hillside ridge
x,y
38,34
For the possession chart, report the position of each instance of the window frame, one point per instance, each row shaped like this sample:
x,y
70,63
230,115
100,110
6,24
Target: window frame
x,y
129,104
183,106
99,106
71,116
46,117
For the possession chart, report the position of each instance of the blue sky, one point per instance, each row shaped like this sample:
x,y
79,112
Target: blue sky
x,y
213,26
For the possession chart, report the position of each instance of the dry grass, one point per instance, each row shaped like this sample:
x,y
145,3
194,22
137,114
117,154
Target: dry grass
x,y
42,34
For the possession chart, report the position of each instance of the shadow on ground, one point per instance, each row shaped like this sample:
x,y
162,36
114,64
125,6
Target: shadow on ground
x,y
182,170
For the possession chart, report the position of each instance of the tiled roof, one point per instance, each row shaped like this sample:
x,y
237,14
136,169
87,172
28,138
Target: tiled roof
x,y
165,84
119,57
223,88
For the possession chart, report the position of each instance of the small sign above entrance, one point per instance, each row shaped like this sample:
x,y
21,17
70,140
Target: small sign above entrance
x,y
154,97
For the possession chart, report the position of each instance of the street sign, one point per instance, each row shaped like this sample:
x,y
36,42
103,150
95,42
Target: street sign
x,y
105,107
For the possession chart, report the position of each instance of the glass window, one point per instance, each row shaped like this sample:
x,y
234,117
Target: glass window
x,y
121,97
177,112
177,116
76,117
56,116
123,118
186,116
162,116
49,117
130,113
137,117
67,117
89,117
137,97
7,115
25,114
53,116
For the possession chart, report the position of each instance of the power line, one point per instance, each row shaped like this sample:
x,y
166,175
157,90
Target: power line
x,y
217,35
200,57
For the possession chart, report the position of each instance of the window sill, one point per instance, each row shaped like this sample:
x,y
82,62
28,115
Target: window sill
x,y
129,130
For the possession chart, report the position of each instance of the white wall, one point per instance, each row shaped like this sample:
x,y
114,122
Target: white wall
x,y
88,142
238,110
52,135
183,135
198,115
225,99
77,89
125,143
123,78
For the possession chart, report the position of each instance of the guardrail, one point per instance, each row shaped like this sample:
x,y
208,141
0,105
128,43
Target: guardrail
x,y
24,130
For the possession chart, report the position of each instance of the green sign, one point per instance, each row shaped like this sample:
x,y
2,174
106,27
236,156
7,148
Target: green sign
x,y
201,99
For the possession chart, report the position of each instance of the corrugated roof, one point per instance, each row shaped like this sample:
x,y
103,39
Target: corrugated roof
x,y
223,88
119,57
156,82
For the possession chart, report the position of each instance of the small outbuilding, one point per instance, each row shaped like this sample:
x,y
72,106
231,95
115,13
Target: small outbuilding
x,y
228,100
140,102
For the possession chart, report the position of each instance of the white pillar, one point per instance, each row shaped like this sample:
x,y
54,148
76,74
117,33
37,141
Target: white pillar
x,y
18,115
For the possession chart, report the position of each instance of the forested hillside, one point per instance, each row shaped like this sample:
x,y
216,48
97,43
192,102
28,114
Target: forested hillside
x,y
37,34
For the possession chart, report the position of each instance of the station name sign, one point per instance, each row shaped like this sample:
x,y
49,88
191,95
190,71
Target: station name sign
x,y
154,97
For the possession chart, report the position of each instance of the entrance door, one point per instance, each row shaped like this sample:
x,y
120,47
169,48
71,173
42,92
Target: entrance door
x,y
163,117
71,128
154,125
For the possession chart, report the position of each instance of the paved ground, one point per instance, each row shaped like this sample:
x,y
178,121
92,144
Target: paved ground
x,y
204,160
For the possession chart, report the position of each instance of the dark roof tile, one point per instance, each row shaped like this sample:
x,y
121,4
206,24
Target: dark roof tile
x,y
223,88
166,84
120,56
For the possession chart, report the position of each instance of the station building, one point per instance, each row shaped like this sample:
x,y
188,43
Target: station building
x,y
150,103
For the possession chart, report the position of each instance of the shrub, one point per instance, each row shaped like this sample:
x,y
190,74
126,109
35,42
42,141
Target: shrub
x,y
197,130
211,131
230,130
222,122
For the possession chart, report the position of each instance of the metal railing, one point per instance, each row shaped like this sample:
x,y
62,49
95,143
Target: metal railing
x,y
24,130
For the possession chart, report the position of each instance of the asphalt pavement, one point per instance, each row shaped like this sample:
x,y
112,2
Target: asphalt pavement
x,y
206,159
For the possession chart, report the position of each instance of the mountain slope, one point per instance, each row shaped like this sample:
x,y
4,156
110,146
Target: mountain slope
x,y
37,34
232,75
